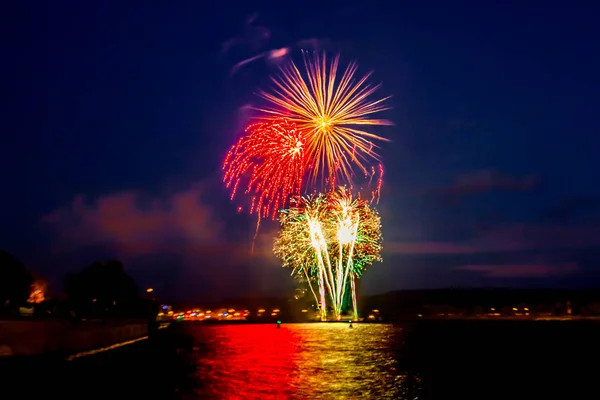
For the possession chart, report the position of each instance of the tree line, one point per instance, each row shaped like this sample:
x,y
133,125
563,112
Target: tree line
x,y
100,290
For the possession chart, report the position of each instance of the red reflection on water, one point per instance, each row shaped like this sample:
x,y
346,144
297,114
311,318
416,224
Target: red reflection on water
x,y
247,362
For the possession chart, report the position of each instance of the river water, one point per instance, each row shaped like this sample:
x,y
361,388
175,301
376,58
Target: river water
x,y
301,361
433,360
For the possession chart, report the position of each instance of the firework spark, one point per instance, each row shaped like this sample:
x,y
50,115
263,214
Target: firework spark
x,y
332,113
329,239
270,162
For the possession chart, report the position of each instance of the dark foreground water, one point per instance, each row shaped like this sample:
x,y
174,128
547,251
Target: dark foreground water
x,y
428,360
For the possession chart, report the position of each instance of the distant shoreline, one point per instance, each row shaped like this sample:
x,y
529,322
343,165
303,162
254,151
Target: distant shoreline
x,y
398,320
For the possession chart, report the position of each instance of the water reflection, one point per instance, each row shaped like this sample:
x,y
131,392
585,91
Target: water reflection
x,y
319,361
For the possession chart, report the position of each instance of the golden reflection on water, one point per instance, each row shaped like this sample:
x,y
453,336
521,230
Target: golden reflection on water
x,y
300,361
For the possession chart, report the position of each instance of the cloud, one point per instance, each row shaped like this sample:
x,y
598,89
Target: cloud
x,y
428,248
572,207
485,180
253,36
523,270
255,39
132,223
510,238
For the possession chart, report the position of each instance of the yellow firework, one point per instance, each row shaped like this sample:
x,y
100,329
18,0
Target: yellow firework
x,y
333,112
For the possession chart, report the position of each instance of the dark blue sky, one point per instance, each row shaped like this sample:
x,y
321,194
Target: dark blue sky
x,y
117,117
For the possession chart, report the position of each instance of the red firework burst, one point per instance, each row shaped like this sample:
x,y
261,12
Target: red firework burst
x,y
270,161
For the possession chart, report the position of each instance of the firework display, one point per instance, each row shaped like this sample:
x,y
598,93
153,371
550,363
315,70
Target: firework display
x,y
333,112
270,162
312,137
329,240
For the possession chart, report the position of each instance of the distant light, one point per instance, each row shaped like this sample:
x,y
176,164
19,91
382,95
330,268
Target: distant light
x,y
231,310
261,310
225,313
276,310
165,307
375,311
514,309
304,310
149,290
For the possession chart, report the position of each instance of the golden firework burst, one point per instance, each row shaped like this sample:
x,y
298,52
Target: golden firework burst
x,y
332,113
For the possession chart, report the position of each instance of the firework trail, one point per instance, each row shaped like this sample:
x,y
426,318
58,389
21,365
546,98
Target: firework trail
x,y
333,112
329,240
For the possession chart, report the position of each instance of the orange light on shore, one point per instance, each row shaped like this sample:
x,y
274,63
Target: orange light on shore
x,y
149,290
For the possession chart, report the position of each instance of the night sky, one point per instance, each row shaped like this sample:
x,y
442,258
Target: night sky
x,y
116,119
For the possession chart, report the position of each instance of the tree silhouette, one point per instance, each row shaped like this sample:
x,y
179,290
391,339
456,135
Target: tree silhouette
x,y
102,289
15,282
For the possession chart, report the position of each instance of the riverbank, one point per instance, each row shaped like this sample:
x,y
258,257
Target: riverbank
x,y
149,368
25,338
